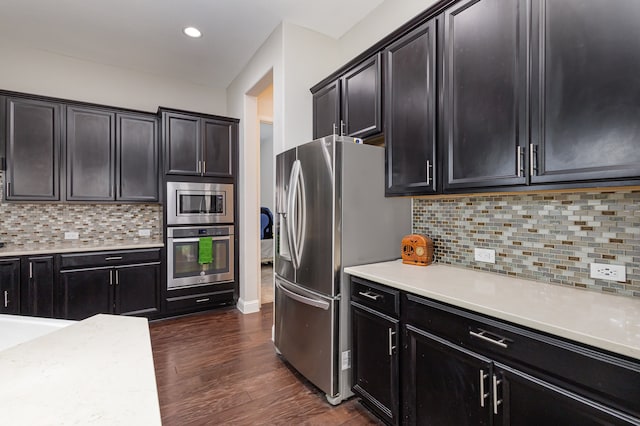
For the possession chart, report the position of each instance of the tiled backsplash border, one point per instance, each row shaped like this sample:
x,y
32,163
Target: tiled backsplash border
x,y
548,237
27,224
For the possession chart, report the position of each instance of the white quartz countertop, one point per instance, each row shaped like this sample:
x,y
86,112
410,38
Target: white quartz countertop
x,y
605,321
95,372
70,247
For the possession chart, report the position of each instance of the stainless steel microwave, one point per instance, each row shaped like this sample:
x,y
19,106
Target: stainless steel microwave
x,y
199,203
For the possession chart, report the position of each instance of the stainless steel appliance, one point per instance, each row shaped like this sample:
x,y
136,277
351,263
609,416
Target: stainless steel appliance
x,y
196,203
183,269
331,213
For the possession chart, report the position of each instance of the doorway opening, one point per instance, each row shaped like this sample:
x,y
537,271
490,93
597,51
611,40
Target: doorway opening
x,y
267,184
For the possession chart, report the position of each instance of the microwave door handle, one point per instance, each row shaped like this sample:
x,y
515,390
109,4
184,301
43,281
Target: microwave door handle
x,y
301,221
207,203
291,213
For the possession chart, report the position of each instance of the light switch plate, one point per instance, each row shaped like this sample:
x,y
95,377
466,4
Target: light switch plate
x,y
71,235
484,255
144,232
603,271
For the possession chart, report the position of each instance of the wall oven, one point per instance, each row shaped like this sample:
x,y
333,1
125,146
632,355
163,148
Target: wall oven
x,y
195,203
183,269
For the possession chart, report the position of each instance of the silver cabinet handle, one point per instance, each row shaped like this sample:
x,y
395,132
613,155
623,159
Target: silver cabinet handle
x,y
206,299
117,277
113,258
110,277
429,167
369,295
341,128
483,395
204,167
532,158
30,270
481,335
519,159
335,128
198,167
8,189
496,401
6,299
391,345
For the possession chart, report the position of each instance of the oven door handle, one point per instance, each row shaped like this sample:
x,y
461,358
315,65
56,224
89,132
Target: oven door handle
x,y
196,240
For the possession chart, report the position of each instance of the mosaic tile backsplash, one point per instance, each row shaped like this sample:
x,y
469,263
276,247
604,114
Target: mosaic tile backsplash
x,y
24,224
546,237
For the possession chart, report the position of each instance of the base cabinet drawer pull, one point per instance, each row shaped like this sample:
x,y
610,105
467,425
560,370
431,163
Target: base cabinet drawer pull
x,y
496,401
206,299
482,335
483,395
369,295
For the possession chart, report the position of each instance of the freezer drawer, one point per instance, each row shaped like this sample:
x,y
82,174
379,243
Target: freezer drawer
x,y
306,334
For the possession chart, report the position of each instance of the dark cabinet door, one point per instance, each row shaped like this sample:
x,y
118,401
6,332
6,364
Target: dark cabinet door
x,y
525,400
585,90
37,293
137,289
218,139
444,384
362,99
137,158
84,293
90,154
326,111
10,286
33,150
183,150
410,113
375,361
484,97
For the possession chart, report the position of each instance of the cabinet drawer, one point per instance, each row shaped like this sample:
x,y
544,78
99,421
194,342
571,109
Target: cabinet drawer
x,y
608,378
108,258
378,297
194,302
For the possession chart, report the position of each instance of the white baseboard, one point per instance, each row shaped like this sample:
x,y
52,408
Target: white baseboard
x,y
248,307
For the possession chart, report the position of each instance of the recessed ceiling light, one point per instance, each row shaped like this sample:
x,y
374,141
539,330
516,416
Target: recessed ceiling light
x,y
192,32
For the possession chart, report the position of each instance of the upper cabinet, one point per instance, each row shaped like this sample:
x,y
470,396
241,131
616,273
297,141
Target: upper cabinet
x,y
91,139
410,112
585,91
199,145
484,93
33,134
352,104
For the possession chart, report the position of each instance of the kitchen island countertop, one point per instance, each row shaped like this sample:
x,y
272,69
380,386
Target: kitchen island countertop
x,y
604,321
95,372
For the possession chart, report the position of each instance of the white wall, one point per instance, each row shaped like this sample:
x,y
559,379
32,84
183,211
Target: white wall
x,y
29,70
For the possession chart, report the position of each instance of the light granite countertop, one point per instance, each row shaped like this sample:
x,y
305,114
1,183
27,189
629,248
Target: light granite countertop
x,y
96,372
604,321
70,247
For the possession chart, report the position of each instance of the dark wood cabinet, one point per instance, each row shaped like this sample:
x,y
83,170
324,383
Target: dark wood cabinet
x,y
113,282
38,286
137,158
33,134
9,286
362,99
326,110
137,289
585,90
352,104
90,154
410,113
444,384
199,145
484,93
85,293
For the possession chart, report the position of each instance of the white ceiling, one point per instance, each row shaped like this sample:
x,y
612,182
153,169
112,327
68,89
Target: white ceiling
x,y
146,35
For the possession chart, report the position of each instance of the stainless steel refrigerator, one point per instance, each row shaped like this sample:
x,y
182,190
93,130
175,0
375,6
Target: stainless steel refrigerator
x,y
331,213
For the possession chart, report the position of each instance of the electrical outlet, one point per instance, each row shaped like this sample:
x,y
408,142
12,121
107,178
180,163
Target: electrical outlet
x,y
608,272
71,235
485,255
144,232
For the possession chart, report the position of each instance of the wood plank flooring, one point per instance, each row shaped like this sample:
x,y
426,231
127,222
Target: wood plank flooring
x,y
221,368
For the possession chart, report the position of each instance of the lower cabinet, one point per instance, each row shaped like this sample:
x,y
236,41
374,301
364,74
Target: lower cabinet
x,y
137,289
10,286
458,367
86,293
38,286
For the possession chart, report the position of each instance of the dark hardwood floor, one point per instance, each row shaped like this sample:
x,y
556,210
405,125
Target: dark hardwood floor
x,y
221,368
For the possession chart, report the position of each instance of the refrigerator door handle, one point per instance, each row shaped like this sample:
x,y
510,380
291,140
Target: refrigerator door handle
x,y
294,181
316,303
301,221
